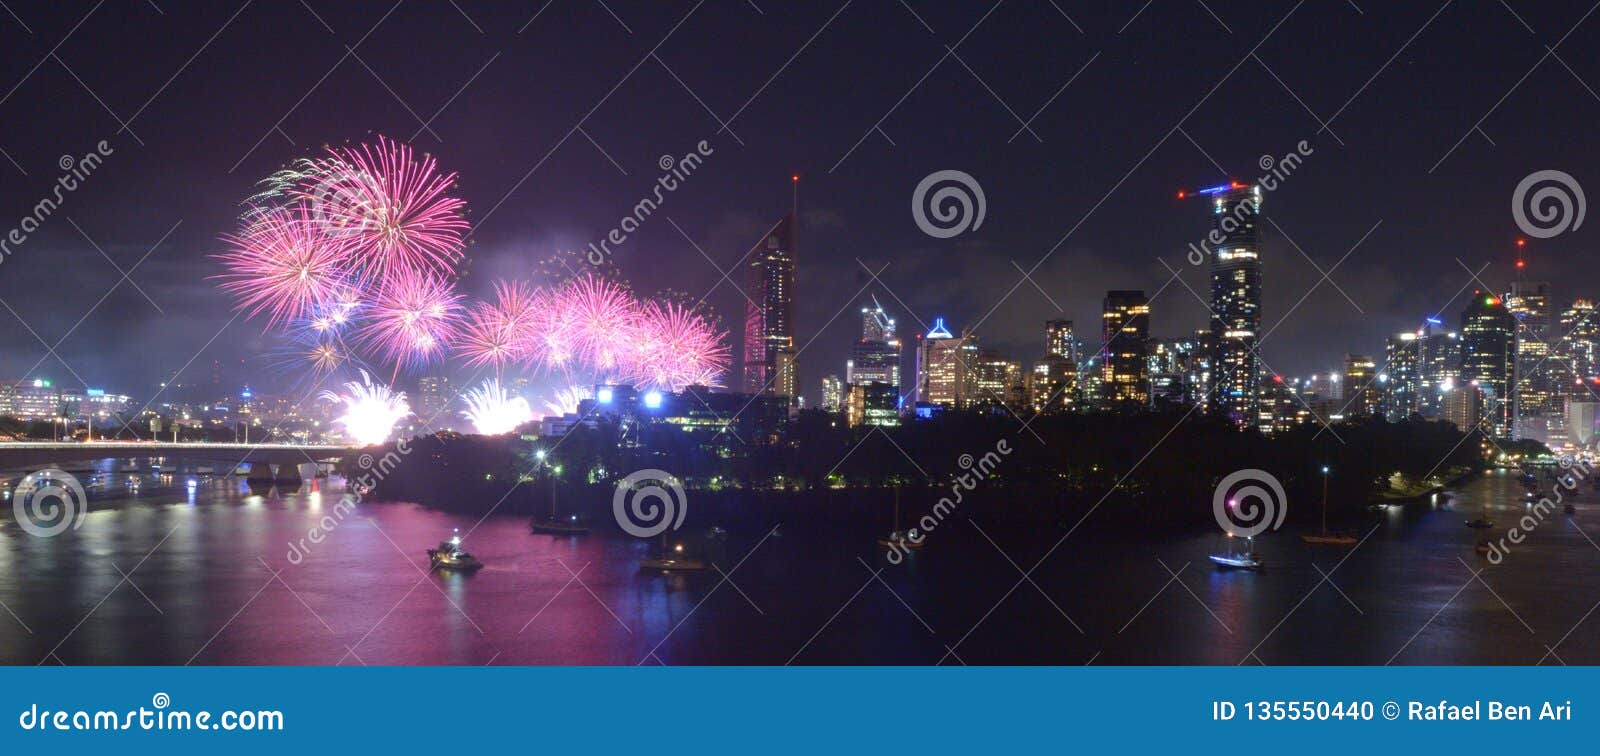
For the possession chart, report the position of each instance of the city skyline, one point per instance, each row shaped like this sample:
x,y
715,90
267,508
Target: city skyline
x,y
853,209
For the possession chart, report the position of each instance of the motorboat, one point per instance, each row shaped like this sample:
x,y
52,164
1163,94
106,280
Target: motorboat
x,y
450,556
1237,553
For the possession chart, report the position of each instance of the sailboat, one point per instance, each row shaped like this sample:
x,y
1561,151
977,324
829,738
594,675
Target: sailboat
x,y
897,537
1332,539
1237,553
671,560
557,524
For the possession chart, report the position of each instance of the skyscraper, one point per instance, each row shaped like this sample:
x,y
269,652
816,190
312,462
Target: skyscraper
x,y
1578,350
1402,388
1362,394
1052,385
944,376
875,358
769,350
1125,349
1439,358
433,402
832,393
1529,303
1059,341
1236,303
996,379
1488,357
1180,369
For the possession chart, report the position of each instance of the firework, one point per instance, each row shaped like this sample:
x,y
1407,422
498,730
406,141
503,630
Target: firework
x,y
494,411
412,319
281,265
501,332
675,348
370,410
604,320
390,208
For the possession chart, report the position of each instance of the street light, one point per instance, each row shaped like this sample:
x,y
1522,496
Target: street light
x,y
1324,498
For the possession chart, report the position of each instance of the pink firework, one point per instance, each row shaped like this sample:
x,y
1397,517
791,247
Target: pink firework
x,y
412,319
282,266
390,208
603,321
501,332
676,348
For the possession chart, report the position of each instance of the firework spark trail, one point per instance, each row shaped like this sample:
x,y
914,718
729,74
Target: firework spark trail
x,y
280,265
352,255
371,410
412,319
500,333
493,410
390,208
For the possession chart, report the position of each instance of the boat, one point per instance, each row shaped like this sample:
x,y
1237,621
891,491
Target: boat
x,y
898,538
1326,538
1237,554
450,556
673,560
556,523
570,525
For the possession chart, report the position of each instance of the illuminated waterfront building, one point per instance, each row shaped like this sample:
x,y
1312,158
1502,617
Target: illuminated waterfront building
x,y
832,393
1529,303
1402,388
1488,357
875,358
1236,302
996,380
1125,350
1180,369
1362,393
943,375
769,346
1578,351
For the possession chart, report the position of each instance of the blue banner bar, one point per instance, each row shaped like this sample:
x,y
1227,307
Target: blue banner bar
x,y
794,710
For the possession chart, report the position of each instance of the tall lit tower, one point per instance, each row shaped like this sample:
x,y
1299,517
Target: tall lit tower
x,y
875,358
1236,302
769,351
1488,357
1125,349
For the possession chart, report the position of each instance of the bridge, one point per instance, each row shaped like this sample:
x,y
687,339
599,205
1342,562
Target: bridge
x,y
30,455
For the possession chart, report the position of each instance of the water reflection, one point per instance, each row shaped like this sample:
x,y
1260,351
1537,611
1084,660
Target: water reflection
x,y
211,577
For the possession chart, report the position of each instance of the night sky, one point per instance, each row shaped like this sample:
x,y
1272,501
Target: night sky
x,y
1434,114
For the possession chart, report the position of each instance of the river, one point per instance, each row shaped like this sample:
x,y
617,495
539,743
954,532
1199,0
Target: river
x,y
219,576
